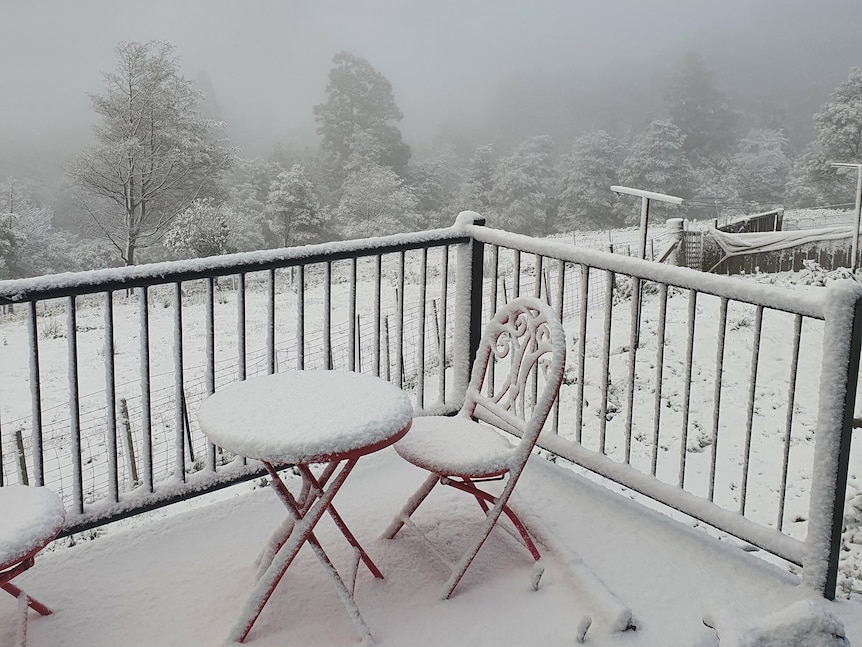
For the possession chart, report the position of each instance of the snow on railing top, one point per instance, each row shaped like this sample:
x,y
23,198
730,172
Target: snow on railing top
x,y
809,303
69,283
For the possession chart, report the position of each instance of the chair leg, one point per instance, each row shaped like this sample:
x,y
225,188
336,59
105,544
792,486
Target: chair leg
x,y
466,485
33,603
410,507
522,530
462,566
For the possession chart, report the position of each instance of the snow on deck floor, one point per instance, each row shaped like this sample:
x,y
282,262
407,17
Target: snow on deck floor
x,y
181,580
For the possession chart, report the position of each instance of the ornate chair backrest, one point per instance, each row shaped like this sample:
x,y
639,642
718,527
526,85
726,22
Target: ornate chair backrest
x,y
518,369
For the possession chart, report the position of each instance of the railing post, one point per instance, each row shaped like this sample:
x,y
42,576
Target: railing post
x,y
675,232
842,343
468,302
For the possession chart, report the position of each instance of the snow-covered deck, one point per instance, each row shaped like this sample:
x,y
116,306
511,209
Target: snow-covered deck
x,y
180,580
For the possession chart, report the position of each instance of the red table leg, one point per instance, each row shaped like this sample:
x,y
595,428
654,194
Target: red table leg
x,y
7,586
305,514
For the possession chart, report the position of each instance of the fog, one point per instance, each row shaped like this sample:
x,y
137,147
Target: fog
x,y
479,68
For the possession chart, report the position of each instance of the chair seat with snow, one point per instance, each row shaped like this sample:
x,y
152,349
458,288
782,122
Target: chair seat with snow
x,y
514,381
31,518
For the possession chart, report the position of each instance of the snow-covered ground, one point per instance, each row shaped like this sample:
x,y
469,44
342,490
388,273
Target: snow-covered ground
x,y
181,580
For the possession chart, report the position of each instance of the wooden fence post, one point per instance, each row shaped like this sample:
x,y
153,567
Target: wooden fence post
x,y
22,462
436,316
130,447
386,346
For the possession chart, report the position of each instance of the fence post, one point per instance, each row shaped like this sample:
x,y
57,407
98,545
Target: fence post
x,y
674,232
838,376
23,479
468,302
130,446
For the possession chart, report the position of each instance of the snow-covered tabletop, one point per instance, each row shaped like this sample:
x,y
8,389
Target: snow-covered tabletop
x,y
305,416
30,517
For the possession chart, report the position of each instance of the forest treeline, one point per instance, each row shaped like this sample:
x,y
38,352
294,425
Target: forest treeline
x,y
162,181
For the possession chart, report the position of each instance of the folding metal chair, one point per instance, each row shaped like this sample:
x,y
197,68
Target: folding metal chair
x,y
32,518
527,342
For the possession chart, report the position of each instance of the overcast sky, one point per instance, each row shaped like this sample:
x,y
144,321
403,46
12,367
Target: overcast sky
x,y
268,59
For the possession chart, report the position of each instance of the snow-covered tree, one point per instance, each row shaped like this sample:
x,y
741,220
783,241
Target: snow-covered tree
x,y
359,102
700,111
525,187
29,244
839,122
477,191
375,202
247,185
204,229
587,201
758,168
155,153
656,161
839,139
294,208
434,183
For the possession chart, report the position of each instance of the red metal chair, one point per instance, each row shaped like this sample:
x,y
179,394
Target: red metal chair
x,y
528,343
31,518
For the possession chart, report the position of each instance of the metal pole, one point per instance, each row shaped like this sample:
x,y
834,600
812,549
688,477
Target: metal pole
x,y
644,223
855,263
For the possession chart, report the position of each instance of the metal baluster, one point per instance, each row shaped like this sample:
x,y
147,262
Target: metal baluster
x,y
561,286
492,362
74,406
327,315
111,399
270,322
300,318
420,343
351,316
179,393
399,346
633,352
689,363
146,396
516,280
749,422
210,353
716,397
444,291
378,278
240,327
537,283
606,358
788,425
659,369
582,352
537,289
35,394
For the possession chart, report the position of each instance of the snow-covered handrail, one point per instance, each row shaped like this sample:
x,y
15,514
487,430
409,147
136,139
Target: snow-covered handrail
x,y
74,283
771,296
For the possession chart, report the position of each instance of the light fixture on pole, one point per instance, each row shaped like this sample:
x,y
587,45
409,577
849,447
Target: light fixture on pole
x,y
855,249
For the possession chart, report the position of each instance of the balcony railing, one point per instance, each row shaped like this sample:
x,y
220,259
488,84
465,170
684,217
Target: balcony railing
x,y
109,367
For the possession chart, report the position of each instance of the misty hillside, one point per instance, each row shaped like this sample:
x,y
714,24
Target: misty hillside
x,y
177,132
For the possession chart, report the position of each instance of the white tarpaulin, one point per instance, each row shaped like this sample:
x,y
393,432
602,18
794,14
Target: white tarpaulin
x,y
770,241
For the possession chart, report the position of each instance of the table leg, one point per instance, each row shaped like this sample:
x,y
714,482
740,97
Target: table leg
x,y
305,519
306,497
349,536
